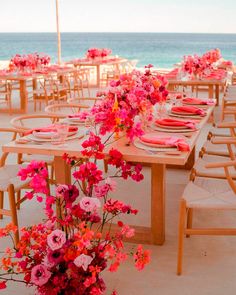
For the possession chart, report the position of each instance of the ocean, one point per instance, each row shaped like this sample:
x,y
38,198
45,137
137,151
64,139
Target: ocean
x,y
160,49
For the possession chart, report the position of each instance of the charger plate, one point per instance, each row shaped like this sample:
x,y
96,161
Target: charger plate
x,y
78,134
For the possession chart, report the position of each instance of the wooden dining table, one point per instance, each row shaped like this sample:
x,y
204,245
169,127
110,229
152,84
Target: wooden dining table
x,y
97,63
22,80
213,85
155,233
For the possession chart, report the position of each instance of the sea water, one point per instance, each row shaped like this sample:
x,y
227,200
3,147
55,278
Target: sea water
x,y
160,49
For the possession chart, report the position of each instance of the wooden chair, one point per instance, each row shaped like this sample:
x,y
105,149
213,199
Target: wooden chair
x,y
228,106
61,88
25,123
216,154
216,195
10,183
212,147
60,111
6,94
79,82
89,101
44,92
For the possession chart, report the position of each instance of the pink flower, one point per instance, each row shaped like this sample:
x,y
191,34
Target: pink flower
x,y
127,231
89,204
141,257
56,239
40,275
83,261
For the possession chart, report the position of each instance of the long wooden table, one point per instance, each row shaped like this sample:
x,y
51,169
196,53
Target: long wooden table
x,y
155,234
213,85
97,64
22,80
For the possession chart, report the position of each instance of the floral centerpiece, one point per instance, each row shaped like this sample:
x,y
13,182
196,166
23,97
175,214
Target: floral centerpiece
x,y
94,53
67,254
30,61
129,102
197,66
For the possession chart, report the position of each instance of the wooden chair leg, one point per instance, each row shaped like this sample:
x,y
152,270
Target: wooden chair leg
x,y
1,202
189,220
12,202
182,217
18,194
192,174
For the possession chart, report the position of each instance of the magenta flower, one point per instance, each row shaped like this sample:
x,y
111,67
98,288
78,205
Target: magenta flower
x,y
40,275
56,239
54,257
83,261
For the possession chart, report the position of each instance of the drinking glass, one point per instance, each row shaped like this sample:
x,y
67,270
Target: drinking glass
x,y
61,133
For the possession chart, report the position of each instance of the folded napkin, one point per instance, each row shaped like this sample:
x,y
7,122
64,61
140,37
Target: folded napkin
x,y
82,115
188,110
176,123
199,101
171,140
50,128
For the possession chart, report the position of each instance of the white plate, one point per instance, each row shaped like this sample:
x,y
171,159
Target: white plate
x,y
48,135
78,134
186,130
170,127
142,146
197,117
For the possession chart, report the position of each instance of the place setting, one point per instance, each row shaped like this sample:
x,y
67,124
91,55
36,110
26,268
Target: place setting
x,y
56,134
192,112
154,142
199,102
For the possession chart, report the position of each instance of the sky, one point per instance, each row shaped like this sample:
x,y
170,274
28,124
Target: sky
x,y
190,16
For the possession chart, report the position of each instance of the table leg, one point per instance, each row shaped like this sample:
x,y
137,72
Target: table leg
x,y
210,91
98,76
217,93
23,96
158,172
62,171
63,176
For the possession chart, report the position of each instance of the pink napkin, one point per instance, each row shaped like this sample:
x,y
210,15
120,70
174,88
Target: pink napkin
x,y
176,123
189,110
50,128
82,115
171,140
199,101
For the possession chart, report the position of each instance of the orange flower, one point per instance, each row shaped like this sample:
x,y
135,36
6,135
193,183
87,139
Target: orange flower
x,y
156,83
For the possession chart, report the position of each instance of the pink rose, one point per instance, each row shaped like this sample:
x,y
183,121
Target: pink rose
x,y
40,275
56,239
83,261
89,204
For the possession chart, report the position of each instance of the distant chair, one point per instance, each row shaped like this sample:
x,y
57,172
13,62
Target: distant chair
x,y
6,95
44,93
60,110
11,184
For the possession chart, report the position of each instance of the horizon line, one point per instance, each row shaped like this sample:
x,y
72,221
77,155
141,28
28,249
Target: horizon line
x,y
107,32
